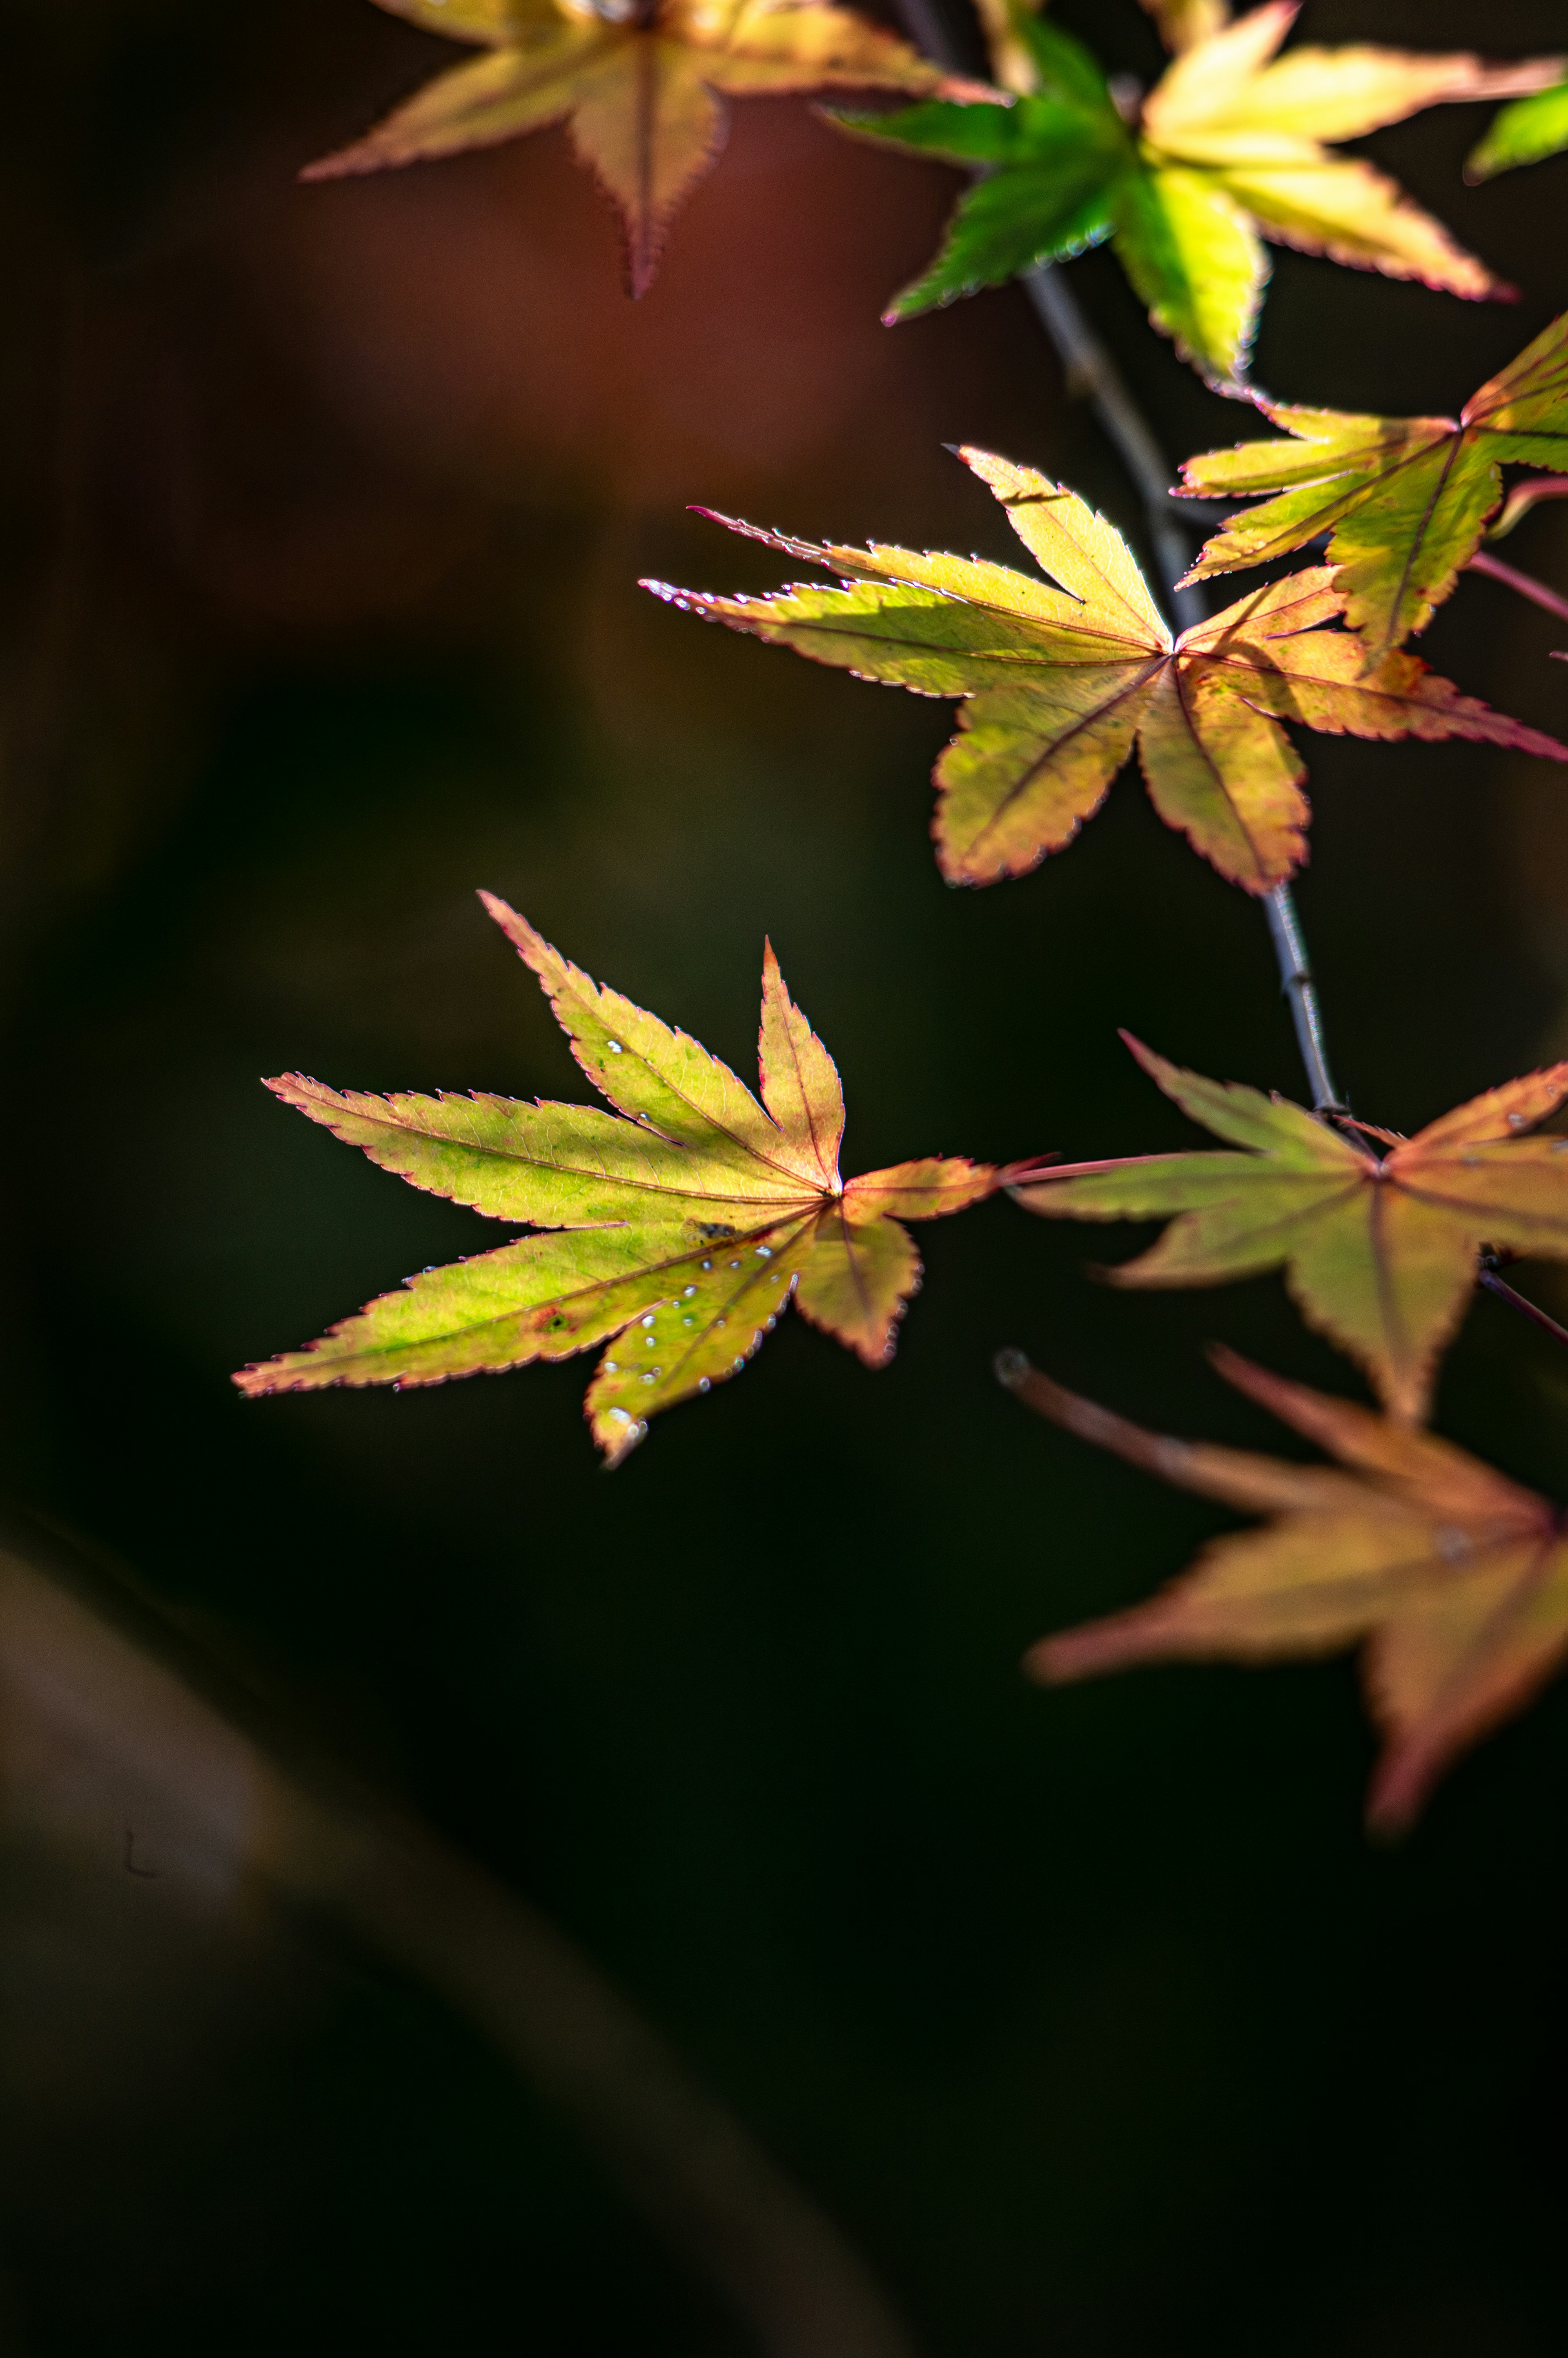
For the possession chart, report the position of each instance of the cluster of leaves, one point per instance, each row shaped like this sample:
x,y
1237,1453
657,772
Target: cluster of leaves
x,y
1059,683
640,85
1457,1578
684,1222
1381,1237
1229,148
675,1229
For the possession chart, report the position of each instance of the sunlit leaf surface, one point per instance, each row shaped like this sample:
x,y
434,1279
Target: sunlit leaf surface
x,y
1380,1250
1453,1580
1404,499
1059,683
681,1223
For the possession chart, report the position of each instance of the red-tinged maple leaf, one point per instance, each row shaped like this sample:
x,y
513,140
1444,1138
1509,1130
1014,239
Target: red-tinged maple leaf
x,y
1453,1580
1403,500
1380,1252
684,1222
1059,683
642,89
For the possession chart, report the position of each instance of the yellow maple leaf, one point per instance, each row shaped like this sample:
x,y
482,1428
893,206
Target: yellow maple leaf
x,y
684,1222
641,87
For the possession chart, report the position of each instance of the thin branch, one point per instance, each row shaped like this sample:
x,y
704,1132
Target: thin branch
x,y
1296,983
1091,368
1525,584
1489,1278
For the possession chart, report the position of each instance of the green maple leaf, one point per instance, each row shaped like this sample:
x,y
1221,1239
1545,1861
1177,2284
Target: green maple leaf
x,y
1404,499
1525,132
1380,1254
1058,685
684,1222
1453,1580
641,88
1228,150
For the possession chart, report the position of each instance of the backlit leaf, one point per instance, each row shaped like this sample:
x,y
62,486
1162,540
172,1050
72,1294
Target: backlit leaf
x,y
1380,1252
1404,499
1060,683
1453,1580
682,1223
642,89
1185,23
1228,150
1524,133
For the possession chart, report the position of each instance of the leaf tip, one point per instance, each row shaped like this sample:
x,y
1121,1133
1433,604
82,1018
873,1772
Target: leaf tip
x,y
1152,1064
620,1438
1401,1784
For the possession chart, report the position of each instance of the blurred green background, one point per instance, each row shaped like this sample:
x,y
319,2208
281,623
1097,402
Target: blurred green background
x,y
1091,2017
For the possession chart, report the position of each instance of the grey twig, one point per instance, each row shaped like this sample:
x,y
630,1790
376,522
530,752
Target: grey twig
x,y
1296,982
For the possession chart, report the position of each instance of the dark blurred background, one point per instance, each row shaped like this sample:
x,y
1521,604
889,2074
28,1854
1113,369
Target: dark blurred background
x,y
1091,2016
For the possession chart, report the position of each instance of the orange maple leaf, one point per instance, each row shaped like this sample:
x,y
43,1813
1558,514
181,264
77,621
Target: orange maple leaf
x,y
1453,1579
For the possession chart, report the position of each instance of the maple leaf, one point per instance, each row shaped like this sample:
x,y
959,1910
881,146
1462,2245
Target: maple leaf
x,y
1404,499
1228,150
1525,132
1454,1579
1059,683
1380,1253
1183,24
684,1222
642,87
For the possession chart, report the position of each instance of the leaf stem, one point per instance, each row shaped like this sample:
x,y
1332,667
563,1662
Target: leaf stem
x,y
1525,584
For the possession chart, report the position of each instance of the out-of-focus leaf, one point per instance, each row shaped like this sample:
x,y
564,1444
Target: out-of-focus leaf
x,y
1185,23
642,89
1059,683
1052,172
1379,1253
1195,262
684,1221
1229,150
1404,499
1453,1579
1525,132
